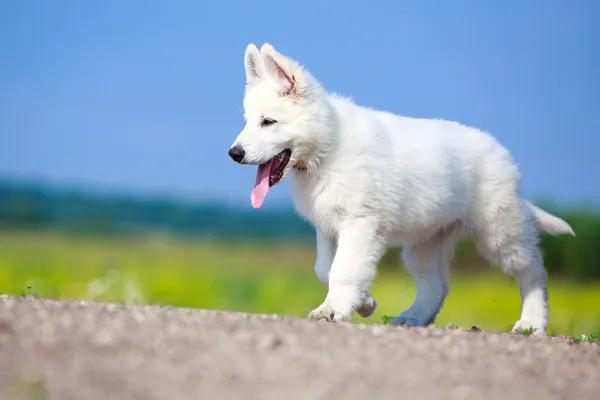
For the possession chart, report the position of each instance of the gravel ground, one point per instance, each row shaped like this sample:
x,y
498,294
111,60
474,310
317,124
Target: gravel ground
x,y
85,351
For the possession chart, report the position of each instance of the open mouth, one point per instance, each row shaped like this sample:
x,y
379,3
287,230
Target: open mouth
x,y
278,164
268,175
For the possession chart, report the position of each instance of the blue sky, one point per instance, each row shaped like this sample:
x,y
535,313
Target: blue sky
x,y
146,96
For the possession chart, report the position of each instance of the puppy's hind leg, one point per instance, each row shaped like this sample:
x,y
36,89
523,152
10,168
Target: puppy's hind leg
x,y
510,242
429,264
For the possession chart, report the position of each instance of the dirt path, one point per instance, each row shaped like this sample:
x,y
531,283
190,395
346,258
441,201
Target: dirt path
x,y
84,351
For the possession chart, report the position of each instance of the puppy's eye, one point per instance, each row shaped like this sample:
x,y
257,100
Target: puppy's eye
x,y
267,122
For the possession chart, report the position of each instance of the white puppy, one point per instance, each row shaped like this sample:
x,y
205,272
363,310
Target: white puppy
x,y
369,179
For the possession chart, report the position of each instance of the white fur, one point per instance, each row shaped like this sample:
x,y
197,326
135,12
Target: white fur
x,y
370,179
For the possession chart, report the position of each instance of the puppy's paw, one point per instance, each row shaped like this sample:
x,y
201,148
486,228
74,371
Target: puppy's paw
x,y
529,328
327,313
412,319
368,306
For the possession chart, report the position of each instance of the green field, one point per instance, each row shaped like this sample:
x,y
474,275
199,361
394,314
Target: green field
x,y
255,278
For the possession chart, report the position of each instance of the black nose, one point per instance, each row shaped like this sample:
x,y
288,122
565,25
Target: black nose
x,y
237,153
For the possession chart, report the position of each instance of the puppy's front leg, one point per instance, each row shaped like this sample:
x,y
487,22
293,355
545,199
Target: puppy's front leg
x,y
326,248
360,247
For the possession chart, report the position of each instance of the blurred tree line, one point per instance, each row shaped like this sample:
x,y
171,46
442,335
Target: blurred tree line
x,y
35,207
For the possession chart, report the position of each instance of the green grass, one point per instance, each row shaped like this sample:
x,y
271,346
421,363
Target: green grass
x,y
255,278
590,337
525,332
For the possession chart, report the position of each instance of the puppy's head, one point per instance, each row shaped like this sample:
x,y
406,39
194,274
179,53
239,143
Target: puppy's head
x,y
281,104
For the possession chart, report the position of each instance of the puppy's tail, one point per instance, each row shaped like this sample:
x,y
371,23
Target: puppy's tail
x,y
548,222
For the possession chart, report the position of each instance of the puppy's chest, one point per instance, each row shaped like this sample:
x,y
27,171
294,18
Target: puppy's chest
x,y
323,202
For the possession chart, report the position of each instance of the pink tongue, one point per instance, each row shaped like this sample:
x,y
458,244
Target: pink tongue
x,y
257,197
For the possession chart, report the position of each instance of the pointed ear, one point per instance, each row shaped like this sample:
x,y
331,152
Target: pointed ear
x,y
279,68
251,60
